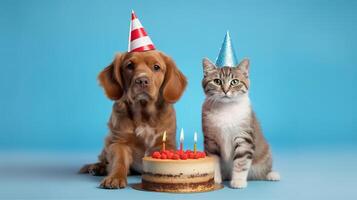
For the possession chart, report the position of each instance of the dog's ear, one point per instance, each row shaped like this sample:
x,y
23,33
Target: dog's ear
x,y
175,82
110,79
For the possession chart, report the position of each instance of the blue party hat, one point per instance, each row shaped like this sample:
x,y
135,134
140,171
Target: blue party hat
x,y
227,56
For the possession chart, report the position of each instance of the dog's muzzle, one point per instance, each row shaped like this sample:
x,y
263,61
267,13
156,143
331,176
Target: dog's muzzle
x,y
142,82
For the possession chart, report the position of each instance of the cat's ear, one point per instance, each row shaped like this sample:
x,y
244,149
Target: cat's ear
x,y
244,66
207,66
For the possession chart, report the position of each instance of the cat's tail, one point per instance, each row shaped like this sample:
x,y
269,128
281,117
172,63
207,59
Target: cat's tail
x,y
273,176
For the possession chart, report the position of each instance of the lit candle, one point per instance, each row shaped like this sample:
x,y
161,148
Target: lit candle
x,y
181,139
164,141
195,144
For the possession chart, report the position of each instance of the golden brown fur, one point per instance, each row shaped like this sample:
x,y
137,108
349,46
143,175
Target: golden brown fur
x,y
144,85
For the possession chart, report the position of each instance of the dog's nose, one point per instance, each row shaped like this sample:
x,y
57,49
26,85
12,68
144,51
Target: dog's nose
x,y
142,81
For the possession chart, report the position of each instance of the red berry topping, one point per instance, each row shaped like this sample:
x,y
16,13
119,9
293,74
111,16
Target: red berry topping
x,y
191,155
169,156
164,156
203,154
180,152
175,157
183,156
156,154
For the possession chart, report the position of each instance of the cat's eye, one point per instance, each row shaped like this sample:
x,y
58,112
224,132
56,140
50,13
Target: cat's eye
x,y
217,81
234,82
130,66
157,67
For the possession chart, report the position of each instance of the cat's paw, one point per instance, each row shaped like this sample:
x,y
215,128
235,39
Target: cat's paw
x,y
218,178
238,183
273,176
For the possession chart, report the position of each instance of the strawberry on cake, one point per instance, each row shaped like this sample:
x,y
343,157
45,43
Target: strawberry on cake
x,y
178,171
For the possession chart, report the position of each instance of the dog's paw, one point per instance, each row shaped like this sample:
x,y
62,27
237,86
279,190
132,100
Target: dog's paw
x,y
113,182
84,169
96,169
238,183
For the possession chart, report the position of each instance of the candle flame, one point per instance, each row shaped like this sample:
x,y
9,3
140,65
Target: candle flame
x,y
164,137
195,137
181,135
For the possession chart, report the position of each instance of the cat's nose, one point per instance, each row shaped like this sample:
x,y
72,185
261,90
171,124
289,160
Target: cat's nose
x,y
225,89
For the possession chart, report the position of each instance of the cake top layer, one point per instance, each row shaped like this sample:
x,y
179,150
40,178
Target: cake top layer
x,y
178,167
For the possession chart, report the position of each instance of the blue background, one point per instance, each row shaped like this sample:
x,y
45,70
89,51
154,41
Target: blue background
x,y
303,70
303,65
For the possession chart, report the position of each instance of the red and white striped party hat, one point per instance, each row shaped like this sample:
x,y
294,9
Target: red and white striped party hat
x,y
138,38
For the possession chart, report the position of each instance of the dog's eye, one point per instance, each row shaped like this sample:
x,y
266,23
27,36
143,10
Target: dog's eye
x,y
217,81
234,82
157,67
130,66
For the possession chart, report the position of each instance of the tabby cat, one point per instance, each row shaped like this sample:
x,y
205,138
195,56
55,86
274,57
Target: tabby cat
x,y
232,133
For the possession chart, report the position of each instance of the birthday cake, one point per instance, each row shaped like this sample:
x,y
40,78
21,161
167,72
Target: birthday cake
x,y
178,171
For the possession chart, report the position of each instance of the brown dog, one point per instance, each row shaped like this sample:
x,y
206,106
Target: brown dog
x,y
144,85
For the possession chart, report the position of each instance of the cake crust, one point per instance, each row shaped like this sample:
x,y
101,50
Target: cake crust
x,y
179,187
